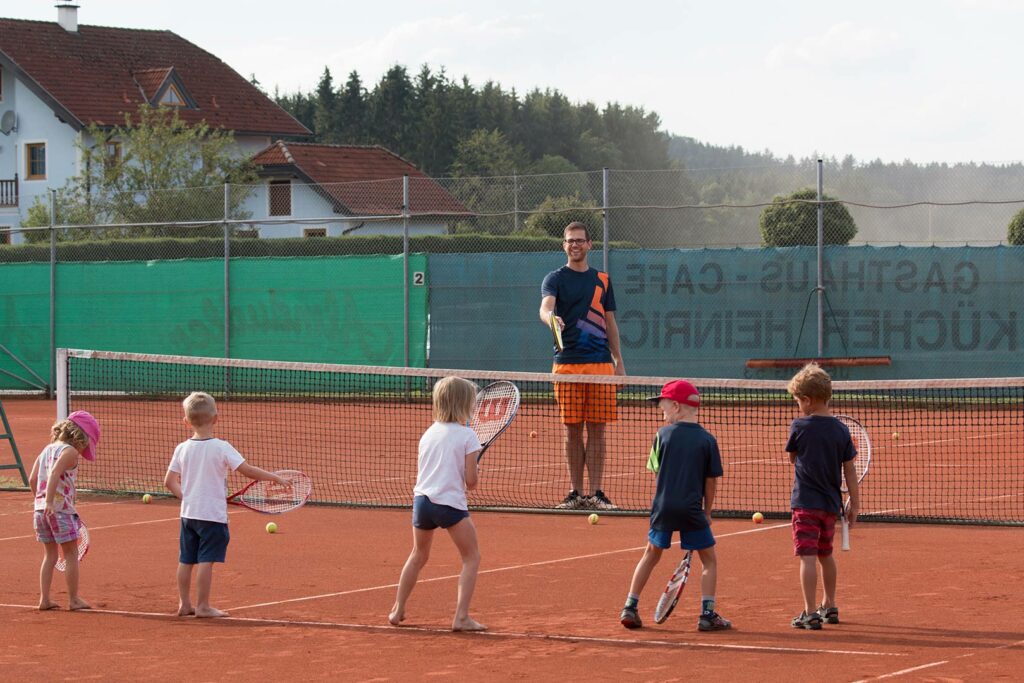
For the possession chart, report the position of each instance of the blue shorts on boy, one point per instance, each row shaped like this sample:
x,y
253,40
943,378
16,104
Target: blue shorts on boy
x,y
429,515
684,455
202,541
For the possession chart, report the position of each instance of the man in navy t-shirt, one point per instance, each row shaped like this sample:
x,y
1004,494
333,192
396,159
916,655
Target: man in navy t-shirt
x,y
581,302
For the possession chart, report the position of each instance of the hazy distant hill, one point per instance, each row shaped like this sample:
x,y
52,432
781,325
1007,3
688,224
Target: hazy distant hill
x,y
733,175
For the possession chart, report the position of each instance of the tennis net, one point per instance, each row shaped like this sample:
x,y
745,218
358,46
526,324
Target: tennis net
x,y
943,450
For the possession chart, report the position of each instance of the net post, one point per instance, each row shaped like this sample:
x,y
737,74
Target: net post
x,y
62,384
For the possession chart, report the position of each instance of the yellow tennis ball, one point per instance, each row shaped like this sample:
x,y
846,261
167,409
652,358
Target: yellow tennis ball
x,y
896,436
271,528
593,518
146,498
757,517
533,435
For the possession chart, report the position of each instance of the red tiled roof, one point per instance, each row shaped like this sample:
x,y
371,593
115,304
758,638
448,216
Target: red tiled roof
x,y
99,73
366,180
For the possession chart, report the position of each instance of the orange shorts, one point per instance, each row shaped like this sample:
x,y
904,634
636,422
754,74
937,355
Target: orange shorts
x,y
585,402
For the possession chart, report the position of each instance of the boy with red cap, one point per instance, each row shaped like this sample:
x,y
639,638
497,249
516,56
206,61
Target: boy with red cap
x,y
56,522
686,459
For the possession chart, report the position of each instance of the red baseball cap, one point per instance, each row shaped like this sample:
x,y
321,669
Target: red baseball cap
x,y
679,391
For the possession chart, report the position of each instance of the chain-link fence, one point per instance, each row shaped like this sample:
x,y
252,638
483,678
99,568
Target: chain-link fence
x,y
447,271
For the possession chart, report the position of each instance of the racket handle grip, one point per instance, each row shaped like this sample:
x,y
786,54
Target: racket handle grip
x,y
846,535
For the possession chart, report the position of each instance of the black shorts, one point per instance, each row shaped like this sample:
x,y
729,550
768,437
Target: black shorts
x,y
202,541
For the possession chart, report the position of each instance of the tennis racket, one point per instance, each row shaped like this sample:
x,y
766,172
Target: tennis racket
x,y
495,407
674,588
272,498
556,332
83,548
861,463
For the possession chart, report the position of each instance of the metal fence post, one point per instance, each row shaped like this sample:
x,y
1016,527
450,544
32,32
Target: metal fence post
x,y
604,205
227,271
405,265
821,264
515,199
53,292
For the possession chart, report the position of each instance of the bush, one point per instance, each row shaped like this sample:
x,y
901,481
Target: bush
x,y
554,213
1015,232
793,221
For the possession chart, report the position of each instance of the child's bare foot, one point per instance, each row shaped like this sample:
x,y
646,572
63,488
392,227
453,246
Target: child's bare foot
x,y
77,604
209,613
185,610
467,624
47,604
396,617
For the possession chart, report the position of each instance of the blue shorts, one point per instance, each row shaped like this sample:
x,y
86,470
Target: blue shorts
x,y
202,541
429,515
688,540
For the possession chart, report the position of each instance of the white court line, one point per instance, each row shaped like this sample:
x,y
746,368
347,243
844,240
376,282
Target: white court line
x,y
115,526
901,672
77,505
932,506
484,571
674,644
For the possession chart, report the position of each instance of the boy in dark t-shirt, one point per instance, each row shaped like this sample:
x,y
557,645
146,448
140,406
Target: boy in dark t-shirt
x,y
686,459
821,451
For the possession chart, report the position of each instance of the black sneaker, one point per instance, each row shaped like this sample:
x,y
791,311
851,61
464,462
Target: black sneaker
x,y
830,615
713,621
630,618
573,501
599,501
811,622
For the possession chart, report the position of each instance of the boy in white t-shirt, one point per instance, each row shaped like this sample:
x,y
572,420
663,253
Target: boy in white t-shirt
x,y
447,468
198,476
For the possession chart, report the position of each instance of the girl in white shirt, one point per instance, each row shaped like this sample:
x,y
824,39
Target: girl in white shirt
x,y
447,469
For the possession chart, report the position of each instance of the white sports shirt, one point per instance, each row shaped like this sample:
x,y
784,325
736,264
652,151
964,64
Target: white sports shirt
x,y
442,463
204,465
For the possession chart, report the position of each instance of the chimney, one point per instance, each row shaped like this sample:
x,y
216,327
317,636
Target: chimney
x,y
67,17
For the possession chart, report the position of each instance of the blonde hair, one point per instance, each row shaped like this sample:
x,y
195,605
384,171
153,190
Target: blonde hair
x,y
70,433
453,400
812,382
200,408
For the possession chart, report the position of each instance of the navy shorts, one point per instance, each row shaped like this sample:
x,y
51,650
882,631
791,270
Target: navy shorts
x,y
429,515
202,541
688,540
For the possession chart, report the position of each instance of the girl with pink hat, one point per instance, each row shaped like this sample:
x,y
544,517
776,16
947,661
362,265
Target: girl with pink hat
x,y
55,520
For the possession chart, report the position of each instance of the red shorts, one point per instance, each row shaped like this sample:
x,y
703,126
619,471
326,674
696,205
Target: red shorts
x,y
813,531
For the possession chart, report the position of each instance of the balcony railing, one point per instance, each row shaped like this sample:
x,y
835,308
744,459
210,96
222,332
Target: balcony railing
x,y
9,192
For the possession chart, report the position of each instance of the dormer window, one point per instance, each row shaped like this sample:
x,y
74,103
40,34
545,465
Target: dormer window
x,y
172,98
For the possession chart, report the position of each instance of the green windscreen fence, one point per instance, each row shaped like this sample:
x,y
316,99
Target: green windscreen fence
x,y
338,309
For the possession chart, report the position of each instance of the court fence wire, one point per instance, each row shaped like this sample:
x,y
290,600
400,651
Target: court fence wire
x,y
943,450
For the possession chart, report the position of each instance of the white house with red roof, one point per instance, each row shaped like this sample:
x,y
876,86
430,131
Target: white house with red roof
x,y
338,190
58,77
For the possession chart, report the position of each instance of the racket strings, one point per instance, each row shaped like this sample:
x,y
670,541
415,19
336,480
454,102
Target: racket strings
x,y
273,498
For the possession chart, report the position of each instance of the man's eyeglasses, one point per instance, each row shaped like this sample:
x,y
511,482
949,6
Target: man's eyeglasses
x,y
575,241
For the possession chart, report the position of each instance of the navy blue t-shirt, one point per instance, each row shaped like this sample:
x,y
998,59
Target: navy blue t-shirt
x,y
684,454
822,444
581,300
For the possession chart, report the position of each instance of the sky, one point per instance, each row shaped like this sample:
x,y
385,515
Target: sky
x,y
928,81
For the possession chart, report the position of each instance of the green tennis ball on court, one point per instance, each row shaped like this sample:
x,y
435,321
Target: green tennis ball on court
x,y
593,518
757,517
146,498
271,528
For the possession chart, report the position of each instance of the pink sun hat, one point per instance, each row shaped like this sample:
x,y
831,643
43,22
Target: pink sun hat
x,y
91,427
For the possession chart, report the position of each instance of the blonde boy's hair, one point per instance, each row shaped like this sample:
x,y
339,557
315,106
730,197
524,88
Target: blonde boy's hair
x,y
200,408
812,382
70,433
453,400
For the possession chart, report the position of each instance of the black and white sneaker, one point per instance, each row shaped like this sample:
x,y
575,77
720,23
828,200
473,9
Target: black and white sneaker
x,y
599,501
573,501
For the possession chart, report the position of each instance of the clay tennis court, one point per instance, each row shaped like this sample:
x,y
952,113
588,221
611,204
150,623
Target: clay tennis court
x,y
923,602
